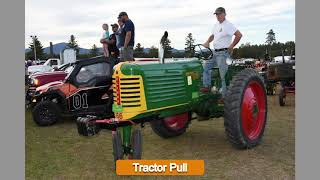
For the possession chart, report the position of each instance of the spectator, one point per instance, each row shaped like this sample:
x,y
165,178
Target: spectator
x,y
119,39
112,47
30,63
105,35
127,33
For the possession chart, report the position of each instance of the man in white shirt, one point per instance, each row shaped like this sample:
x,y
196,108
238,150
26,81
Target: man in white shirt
x,y
221,36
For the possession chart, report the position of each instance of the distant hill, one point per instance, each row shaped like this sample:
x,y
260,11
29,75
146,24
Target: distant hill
x,y
146,50
57,48
177,50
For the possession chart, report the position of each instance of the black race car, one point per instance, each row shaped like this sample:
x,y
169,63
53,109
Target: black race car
x,y
86,90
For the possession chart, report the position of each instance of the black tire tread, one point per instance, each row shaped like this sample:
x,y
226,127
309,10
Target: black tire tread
x,y
136,144
232,109
117,146
49,104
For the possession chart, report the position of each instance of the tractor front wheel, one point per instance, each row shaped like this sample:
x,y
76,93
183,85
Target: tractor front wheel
x,y
117,145
171,126
136,145
245,110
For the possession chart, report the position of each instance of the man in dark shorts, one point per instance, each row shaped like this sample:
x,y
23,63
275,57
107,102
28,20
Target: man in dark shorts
x,y
112,45
127,34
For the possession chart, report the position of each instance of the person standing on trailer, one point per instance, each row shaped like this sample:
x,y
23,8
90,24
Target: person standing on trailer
x,y
112,45
127,34
105,36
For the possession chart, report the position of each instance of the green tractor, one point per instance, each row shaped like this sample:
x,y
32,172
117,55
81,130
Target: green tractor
x,y
167,95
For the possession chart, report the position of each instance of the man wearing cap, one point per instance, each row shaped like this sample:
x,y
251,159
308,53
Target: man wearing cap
x,y
127,34
112,47
223,45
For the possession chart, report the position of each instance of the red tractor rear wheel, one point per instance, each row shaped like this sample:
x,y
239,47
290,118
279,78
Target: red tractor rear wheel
x,y
171,126
245,111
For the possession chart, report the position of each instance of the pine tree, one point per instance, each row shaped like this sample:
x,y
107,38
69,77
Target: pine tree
x,y
94,51
290,45
73,44
138,51
271,37
39,49
189,50
167,48
153,52
262,50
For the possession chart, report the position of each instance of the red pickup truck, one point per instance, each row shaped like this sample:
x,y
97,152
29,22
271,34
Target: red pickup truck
x,y
39,79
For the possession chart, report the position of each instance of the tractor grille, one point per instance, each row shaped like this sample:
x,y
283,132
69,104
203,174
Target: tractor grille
x,y
128,90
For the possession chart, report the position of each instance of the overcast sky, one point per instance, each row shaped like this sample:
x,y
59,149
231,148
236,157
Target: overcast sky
x,y
56,20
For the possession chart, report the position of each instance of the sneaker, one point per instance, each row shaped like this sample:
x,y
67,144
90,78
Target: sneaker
x,y
204,90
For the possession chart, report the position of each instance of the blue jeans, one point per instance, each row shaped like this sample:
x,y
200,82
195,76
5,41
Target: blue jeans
x,y
218,60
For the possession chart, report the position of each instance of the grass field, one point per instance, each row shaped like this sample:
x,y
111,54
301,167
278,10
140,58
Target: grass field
x,y
58,152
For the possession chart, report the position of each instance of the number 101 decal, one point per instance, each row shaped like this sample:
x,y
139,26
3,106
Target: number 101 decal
x,y
80,101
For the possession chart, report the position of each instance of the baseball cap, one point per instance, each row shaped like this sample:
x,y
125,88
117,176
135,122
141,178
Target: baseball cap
x,y
220,10
122,14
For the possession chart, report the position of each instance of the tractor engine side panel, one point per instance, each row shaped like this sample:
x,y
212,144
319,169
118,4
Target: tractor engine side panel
x,y
171,84
158,87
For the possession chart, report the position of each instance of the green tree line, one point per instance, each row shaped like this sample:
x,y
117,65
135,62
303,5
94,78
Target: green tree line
x,y
246,50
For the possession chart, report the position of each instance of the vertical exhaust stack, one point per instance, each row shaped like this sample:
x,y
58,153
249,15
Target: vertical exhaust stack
x,y
162,47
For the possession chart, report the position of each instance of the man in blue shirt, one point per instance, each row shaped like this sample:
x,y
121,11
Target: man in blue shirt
x,y
127,34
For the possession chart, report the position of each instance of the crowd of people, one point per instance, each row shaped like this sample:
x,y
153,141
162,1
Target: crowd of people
x,y
119,44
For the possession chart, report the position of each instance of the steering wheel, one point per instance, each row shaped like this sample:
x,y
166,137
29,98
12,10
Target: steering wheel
x,y
202,52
